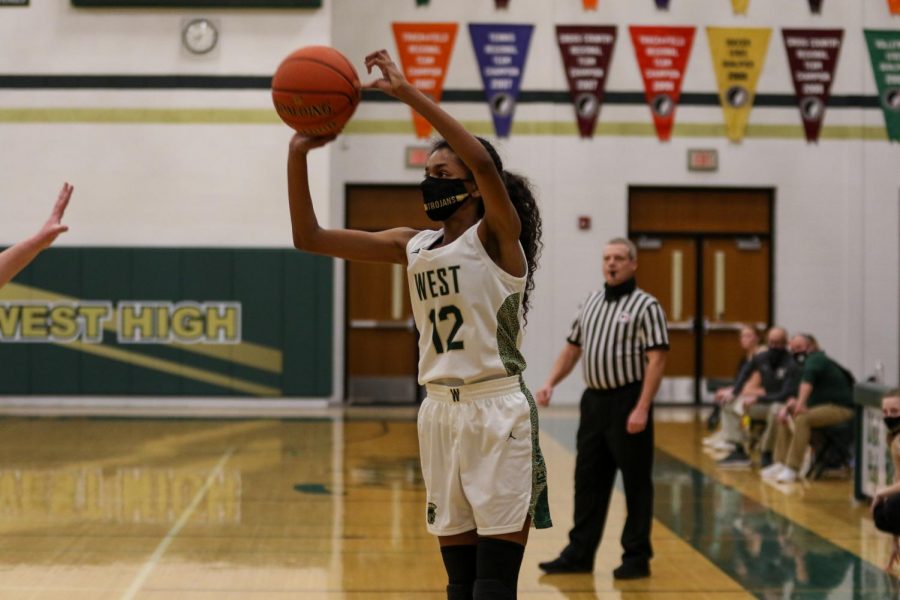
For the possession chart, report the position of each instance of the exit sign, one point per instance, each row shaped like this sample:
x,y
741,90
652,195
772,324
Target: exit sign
x,y
703,160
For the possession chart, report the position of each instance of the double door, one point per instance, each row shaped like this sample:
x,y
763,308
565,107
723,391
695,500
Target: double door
x,y
706,255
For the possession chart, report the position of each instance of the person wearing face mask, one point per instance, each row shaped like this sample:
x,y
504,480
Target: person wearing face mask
x,y
886,503
824,399
621,331
772,377
470,283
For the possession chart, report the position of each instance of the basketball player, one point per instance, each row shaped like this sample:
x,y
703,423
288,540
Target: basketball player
x,y
16,257
469,283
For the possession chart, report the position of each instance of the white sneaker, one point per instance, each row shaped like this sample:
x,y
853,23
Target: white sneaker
x,y
711,440
787,475
772,471
723,445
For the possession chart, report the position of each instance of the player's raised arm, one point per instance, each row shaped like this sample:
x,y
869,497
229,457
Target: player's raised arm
x,y
16,257
500,217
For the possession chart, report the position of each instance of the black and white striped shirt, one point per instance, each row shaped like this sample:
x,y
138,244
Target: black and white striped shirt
x,y
615,335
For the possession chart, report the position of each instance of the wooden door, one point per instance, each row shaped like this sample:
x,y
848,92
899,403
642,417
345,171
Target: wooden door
x,y
381,339
667,268
735,292
705,254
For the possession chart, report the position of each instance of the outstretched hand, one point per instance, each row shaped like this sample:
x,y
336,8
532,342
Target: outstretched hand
x,y
392,80
53,227
303,143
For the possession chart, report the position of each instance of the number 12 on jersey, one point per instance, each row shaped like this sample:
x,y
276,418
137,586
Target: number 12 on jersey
x,y
443,314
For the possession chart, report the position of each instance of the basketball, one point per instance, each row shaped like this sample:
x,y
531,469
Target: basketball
x,y
315,90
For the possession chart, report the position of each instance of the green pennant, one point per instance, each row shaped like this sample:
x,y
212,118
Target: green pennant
x,y
884,50
421,2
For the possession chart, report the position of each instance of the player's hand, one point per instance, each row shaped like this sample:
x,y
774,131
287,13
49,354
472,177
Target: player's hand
x,y
750,400
53,227
301,144
543,395
392,81
637,420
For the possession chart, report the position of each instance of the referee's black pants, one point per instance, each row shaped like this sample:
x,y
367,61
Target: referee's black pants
x,y
605,446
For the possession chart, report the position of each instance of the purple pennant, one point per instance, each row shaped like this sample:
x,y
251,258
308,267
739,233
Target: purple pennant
x,y
501,50
815,6
662,4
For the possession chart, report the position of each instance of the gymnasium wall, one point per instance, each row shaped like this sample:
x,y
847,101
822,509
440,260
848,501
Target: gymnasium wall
x,y
836,221
161,175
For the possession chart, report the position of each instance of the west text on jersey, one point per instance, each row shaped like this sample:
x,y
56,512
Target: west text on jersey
x,y
437,282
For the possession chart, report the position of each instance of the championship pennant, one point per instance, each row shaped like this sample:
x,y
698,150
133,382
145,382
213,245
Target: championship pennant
x,y
662,54
738,56
590,4
815,6
884,50
425,50
813,56
501,51
501,4
586,53
894,6
662,4
740,6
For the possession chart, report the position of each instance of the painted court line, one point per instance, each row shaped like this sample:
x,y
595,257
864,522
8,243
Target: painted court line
x,y
176,529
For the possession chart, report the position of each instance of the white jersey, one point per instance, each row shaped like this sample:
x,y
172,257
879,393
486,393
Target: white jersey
x,y
467,310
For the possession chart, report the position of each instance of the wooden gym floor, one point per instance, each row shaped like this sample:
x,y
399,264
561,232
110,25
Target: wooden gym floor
x,y
330,507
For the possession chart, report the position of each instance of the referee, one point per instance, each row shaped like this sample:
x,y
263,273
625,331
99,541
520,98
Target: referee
x,y
621,330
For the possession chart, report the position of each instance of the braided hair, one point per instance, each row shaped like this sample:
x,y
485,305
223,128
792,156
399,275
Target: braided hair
x,y
522,197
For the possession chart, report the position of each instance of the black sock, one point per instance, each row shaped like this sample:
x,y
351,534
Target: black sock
x,y
500,560
460,562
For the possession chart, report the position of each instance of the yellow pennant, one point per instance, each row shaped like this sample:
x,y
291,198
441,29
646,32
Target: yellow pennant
x,y
738,56
740,6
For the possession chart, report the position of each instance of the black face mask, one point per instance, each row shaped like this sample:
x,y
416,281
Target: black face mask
x,y
892,423
800,357
442,197
776,355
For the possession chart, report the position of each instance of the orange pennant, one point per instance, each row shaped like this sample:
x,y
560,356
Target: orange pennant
x,y
590,4
425,50
894,5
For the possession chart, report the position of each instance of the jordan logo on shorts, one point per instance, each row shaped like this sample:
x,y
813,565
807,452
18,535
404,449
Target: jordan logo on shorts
x,y
454,393
432,509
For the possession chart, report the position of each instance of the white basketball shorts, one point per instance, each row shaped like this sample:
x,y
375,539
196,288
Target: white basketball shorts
x,y
478,457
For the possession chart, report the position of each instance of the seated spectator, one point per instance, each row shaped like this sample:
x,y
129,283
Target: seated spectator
x,y
824,399
772,377
886,503
750,344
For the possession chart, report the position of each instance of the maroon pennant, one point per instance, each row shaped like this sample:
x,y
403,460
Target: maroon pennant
x,y
586,53
813,56
501,3
815,6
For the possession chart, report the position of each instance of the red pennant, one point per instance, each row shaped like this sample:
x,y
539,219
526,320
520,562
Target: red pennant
x,y
425,50
813,56
590,4
662,53
586,53
894,6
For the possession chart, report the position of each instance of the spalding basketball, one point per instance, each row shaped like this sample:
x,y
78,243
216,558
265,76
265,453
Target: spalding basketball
x,y
315,90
